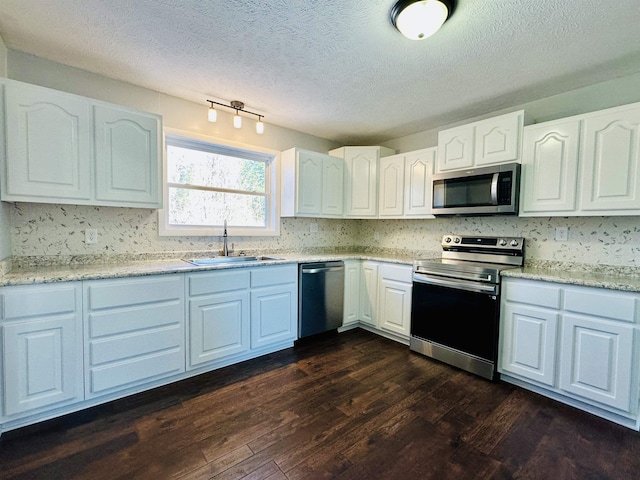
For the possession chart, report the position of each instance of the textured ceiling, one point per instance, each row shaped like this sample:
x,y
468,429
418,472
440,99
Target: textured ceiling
x,y
336,69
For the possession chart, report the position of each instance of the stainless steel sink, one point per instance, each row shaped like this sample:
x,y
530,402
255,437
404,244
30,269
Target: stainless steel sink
x,y
202,262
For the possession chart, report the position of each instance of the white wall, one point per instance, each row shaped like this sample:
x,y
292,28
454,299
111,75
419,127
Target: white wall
x,y
611,93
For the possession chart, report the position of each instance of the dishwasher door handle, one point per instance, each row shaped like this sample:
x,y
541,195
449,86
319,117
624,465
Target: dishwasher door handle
x,y
321,270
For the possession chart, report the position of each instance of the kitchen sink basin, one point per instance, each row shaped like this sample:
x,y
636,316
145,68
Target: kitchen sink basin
x,y
203,262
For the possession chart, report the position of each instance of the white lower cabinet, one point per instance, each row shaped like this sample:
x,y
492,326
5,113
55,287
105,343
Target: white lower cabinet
x,y
576,344
41,348
274,305
378,297
218,321
394,298
134,332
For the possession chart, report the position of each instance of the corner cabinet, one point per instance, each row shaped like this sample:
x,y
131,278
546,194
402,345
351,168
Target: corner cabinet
x,y
486,142
575,344
361,179
42,361
312,184
583,166
63,148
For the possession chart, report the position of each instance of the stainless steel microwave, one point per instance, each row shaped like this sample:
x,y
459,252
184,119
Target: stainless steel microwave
x,y
491,190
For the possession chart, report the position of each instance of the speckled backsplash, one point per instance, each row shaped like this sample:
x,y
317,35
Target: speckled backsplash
x,y
592,240
54,234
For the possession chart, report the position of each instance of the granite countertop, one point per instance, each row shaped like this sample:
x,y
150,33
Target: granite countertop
x,y
615,279
68,273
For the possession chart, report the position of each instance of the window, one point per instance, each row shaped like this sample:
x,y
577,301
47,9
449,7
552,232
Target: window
x,y
208,181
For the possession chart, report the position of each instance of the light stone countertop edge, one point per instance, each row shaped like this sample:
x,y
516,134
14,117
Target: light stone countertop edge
x,y
159,267
612,281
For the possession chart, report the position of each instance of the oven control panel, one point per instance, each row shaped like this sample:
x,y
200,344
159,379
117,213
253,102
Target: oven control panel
x,y
464,243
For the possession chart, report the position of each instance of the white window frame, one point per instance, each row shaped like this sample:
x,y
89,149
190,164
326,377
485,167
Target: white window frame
x,y
272,193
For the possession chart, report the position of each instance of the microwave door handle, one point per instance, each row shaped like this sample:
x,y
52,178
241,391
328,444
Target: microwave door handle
x,y
494,188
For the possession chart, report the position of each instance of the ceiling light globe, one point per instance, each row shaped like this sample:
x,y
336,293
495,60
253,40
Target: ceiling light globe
x,y
421,19
237,121
259,127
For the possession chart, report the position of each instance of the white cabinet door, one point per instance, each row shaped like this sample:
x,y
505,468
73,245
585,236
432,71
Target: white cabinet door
x,y
332,186
41,347
127,146
369,293
134,331
309,183
361,182
455,148
528,339
550,167
394,299
218,327
418,168
352,273
274,305
391,199
611,160
274,315
597,361
48,145
498,139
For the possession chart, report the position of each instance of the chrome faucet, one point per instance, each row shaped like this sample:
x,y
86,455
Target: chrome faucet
x,y
225,247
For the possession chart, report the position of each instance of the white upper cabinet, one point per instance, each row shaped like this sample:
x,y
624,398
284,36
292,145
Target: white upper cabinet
x,y
583,165
63,148
391,192
361,179
418,169
312,184
550,167
405,184
486,142
48,145
127,147
611,160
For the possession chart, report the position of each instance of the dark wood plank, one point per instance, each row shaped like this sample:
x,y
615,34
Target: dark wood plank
x,y
348,406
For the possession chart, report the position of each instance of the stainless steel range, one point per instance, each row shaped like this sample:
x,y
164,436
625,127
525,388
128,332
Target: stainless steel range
x,y
455,307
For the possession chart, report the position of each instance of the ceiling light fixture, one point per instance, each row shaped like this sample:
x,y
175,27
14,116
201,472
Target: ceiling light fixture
x,y
238,106
419,19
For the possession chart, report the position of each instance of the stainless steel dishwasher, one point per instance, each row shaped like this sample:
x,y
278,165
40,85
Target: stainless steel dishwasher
x,y
321,297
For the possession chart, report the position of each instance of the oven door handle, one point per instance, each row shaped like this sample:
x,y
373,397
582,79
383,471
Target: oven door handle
x,y
457,284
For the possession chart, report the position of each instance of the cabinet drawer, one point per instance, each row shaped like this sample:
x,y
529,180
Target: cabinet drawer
x,y
109,322
34,301
138,291
399,273
602,303
217,282
533,293
127,346
131,372
266,276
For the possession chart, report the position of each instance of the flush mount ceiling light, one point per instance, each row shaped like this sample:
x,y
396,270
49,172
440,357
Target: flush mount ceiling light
x,y
238,106
419,19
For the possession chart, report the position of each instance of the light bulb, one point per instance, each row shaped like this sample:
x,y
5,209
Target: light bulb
x,y
259,127
237,121
213,115
422,19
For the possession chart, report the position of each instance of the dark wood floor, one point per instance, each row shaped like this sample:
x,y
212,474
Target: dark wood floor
x,y
353,406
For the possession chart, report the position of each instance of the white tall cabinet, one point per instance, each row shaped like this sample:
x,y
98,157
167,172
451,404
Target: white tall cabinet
x,y
63,148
